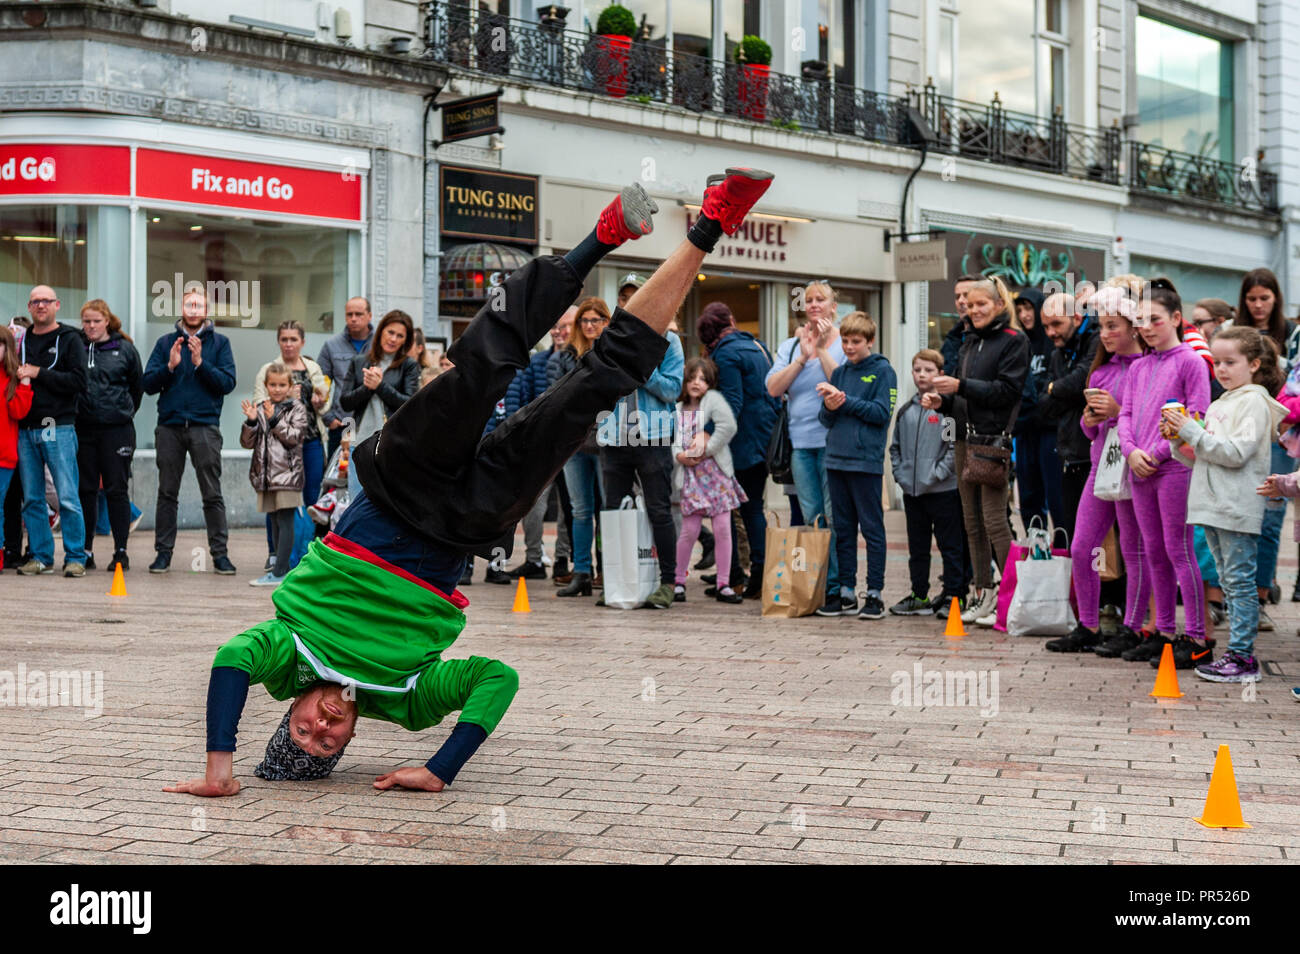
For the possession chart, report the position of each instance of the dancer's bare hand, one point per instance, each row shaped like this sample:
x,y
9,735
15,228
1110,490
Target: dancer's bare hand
x,y
1141,463
201,786
416,777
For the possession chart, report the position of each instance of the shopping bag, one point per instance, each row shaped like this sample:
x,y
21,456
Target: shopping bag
x,y
1038,545
1112,565
631,565
1111,482
1041,605
794,574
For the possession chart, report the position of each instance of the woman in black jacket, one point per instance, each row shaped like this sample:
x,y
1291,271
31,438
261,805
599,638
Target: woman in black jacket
x,y
1038,471
983,397
382,378
105,425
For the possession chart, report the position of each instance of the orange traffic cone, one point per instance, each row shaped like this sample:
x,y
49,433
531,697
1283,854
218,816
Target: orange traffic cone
x,y
954,627
521,598
1222,805
1167,676
119,583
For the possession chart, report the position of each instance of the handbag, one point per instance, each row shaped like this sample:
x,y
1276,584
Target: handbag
x,y
988,459
780,452
1111,482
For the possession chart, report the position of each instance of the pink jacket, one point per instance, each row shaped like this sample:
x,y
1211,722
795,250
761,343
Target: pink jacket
x,y
1289,485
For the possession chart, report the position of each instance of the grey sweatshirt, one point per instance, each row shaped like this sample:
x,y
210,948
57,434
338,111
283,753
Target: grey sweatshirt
x,y
923,462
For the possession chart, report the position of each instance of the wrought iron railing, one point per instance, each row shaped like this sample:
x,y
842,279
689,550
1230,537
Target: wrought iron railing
x,y
546,52
992,133
1183,175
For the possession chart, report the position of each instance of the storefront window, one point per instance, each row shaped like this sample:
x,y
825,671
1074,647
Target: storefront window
x,y
693,29
1193,282
43,245
1184,90
257,274
739,18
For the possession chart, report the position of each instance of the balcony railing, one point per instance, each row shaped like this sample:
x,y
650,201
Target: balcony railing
x,y
1189,177
547,53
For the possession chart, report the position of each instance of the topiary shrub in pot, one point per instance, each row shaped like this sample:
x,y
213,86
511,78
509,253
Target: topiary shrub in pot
x,y
615,28
754,56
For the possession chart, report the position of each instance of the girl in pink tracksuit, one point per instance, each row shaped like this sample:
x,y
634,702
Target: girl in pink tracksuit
x,y
1119,350
1172,371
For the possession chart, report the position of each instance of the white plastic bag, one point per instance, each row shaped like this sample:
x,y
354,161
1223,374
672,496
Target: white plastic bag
x,y
1041,604
1112,479
631,565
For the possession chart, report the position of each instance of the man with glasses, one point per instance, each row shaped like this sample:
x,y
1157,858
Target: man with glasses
x,y
53,356
336,361
192,369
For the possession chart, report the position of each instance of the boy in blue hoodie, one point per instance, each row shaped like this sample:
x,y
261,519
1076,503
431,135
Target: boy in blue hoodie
x,y
857,404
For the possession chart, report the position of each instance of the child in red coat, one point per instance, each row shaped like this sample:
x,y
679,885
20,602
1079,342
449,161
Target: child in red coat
x,y
16,398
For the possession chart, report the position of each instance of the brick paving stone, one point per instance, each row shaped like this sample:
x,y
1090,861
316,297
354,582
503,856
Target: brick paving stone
x,y
765,741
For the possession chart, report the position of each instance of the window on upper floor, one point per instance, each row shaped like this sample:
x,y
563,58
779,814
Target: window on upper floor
x,y
830,33
1184,87
1018,49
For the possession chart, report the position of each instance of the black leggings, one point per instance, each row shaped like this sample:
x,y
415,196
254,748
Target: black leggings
x,y
430,466
282,534
104,453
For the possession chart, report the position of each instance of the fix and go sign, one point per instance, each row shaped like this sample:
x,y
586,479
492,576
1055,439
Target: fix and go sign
x,y
39,169
233,183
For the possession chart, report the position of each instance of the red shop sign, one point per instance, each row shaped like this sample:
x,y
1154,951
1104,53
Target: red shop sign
x,y
38,169
233,183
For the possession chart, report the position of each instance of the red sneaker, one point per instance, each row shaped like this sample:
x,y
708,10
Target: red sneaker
x,y
627,217
730,199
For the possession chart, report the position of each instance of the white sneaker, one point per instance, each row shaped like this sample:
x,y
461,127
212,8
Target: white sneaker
x,y
267,579
546,558
981,605
987,621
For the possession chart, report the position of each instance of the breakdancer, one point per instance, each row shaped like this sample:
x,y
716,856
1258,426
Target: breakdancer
x,y
362,622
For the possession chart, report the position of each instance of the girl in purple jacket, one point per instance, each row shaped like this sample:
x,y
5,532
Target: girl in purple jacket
x,y
1172,371
1120,348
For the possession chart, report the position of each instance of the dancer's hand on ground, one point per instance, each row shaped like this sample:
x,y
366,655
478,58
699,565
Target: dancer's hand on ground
x,y
1269,487
205,788
416,777
1141,463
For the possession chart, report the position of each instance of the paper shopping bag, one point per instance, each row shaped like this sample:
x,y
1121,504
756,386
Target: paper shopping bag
x,y
631,565
1041,605
794,575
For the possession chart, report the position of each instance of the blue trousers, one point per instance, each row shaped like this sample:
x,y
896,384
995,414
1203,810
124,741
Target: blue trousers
x,y
856,501
1270,534
1038,476
55,448
813,488
582,475
1234,555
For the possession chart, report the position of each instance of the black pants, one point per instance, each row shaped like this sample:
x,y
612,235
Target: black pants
x,y
428,466
653,467
203,444
936,516
1074,479
282,538
333,439
13,507
104,453
753,480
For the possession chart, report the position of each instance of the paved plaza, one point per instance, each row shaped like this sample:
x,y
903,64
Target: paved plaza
x,y
699,735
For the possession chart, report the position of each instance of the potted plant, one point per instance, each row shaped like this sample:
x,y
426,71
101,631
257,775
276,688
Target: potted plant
x,y
754,56
615,27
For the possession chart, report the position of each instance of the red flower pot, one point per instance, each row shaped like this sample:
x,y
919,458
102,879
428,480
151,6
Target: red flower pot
x,y
614,53
752,95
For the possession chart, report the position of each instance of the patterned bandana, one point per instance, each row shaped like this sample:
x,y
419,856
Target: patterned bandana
x,y
286,762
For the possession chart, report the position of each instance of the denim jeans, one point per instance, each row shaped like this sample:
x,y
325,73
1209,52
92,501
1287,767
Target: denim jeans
x,y
1234,555
6,474
1270,534
809,467
581,473
35,453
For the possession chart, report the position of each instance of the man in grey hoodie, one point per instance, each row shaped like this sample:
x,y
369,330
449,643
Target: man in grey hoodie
x,y
922,455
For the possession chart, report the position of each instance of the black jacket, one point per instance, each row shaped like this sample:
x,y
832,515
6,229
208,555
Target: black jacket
x,y
993,365
1068,374
61,356
1040,350
743,362
952,342
401,381
113,389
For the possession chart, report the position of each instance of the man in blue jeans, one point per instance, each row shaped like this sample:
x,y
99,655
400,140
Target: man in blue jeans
x,y
53,356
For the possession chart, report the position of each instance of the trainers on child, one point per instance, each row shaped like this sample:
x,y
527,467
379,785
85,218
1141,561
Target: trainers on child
x,y
873,607
1123,640
1230,667
267,579
1080,640
1265,624
983,603
1150,648
912,605
1187,654
943,606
